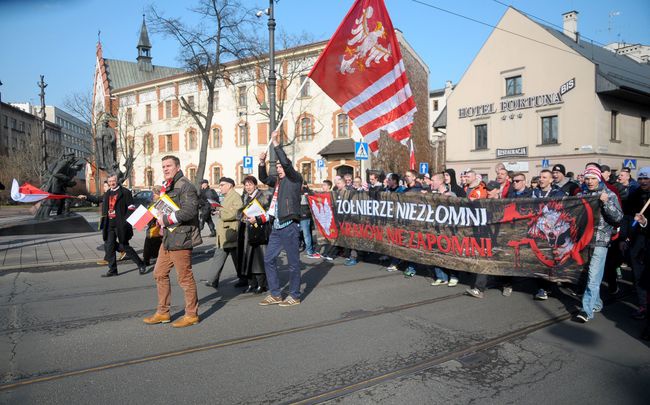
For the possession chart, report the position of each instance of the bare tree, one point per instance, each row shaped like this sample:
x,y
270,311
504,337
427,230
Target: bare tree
x,y
81,105
293,62
220,36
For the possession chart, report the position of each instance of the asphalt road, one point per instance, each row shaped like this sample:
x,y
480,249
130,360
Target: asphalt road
x,y
362,335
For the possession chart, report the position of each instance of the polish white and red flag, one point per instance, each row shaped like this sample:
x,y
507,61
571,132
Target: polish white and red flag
x,y
140,218
28,193
362,70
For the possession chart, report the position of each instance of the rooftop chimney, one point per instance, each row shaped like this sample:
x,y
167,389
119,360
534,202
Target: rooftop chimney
x,y
570,25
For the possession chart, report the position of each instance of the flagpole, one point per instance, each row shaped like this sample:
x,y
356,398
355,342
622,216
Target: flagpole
x,y
286,110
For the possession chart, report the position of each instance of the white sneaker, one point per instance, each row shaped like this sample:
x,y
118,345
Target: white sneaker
x,y
453,282
439,282
392,267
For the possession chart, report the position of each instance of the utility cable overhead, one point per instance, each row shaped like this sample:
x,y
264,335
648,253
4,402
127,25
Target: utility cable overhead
x,y
569,51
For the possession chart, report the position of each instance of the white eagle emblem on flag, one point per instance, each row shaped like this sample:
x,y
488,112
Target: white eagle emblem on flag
x,y
364,48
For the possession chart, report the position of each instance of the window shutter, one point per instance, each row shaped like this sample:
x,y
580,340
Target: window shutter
x,y
262,133
161,110
174,108
175,142
161,143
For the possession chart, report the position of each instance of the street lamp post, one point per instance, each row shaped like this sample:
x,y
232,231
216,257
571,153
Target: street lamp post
x,y
272,80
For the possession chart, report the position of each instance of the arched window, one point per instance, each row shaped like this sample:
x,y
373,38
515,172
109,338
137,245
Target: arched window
x,y
215,137
191,173
242,131
216,174
342,126
148,144
306,129
148,177
130,145
192,140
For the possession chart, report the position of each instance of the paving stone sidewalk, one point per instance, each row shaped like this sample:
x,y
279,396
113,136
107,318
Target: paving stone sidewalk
x,y
20,252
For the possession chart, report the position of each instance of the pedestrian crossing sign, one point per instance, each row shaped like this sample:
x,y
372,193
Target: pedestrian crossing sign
x,y
629,164
361,150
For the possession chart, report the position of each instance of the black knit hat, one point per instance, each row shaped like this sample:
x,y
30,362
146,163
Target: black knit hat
x,y
559,168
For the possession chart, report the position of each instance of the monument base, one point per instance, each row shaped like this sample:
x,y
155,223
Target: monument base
x,y
73,223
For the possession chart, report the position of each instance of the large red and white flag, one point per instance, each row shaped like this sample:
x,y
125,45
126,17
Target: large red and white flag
x,y
28,193
362,70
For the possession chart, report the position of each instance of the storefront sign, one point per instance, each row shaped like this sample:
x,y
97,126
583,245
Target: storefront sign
x,y
503,153
521,103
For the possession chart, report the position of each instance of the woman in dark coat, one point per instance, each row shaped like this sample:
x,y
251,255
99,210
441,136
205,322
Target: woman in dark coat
x,y
253,238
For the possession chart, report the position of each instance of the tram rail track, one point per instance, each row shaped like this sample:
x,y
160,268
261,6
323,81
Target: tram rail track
x,y
353,316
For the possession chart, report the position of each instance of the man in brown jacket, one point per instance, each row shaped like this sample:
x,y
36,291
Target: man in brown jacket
x,y
227,227
180,235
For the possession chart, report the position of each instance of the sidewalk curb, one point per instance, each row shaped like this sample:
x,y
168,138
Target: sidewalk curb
x,y
80,262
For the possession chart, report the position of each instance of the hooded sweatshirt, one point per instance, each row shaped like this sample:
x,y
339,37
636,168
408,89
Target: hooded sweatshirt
x,y
453,184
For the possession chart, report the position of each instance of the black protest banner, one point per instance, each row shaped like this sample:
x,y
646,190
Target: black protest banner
x,y
518,237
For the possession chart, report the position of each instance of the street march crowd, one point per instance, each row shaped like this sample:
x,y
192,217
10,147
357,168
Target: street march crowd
x,y
254,228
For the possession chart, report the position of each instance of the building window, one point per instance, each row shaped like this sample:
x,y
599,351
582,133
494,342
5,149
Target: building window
x,y
191,174
168,109
241,97
216,174
513,86
129,116
304,92
147,113
480,136
242,130
644,131
215,139
169,143
306,129
305,170
192,140
130,146
549,130
148,177
435,105
148,144
342,126
216,101
190,102
613,130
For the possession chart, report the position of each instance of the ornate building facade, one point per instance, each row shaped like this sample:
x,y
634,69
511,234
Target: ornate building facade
x,y
144,101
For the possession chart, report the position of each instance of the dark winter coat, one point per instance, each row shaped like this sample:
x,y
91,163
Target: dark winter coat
x,y
251,257
186,235
123,229
453,184
289,189
204,204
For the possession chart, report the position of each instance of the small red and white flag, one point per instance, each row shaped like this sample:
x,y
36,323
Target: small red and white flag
x,y
28,193
362,70
140,218
412,162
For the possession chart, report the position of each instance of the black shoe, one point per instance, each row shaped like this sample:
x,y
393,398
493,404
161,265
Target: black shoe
x,y
248,289
582,317
110,274
259,290
142,269
241,283
213,234
211,284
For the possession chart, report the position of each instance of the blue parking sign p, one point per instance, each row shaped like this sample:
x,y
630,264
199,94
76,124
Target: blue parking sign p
x,y
248,162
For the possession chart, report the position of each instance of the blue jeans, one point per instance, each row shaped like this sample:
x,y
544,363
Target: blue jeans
x,y
442,274
305,226
591,298
287,238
